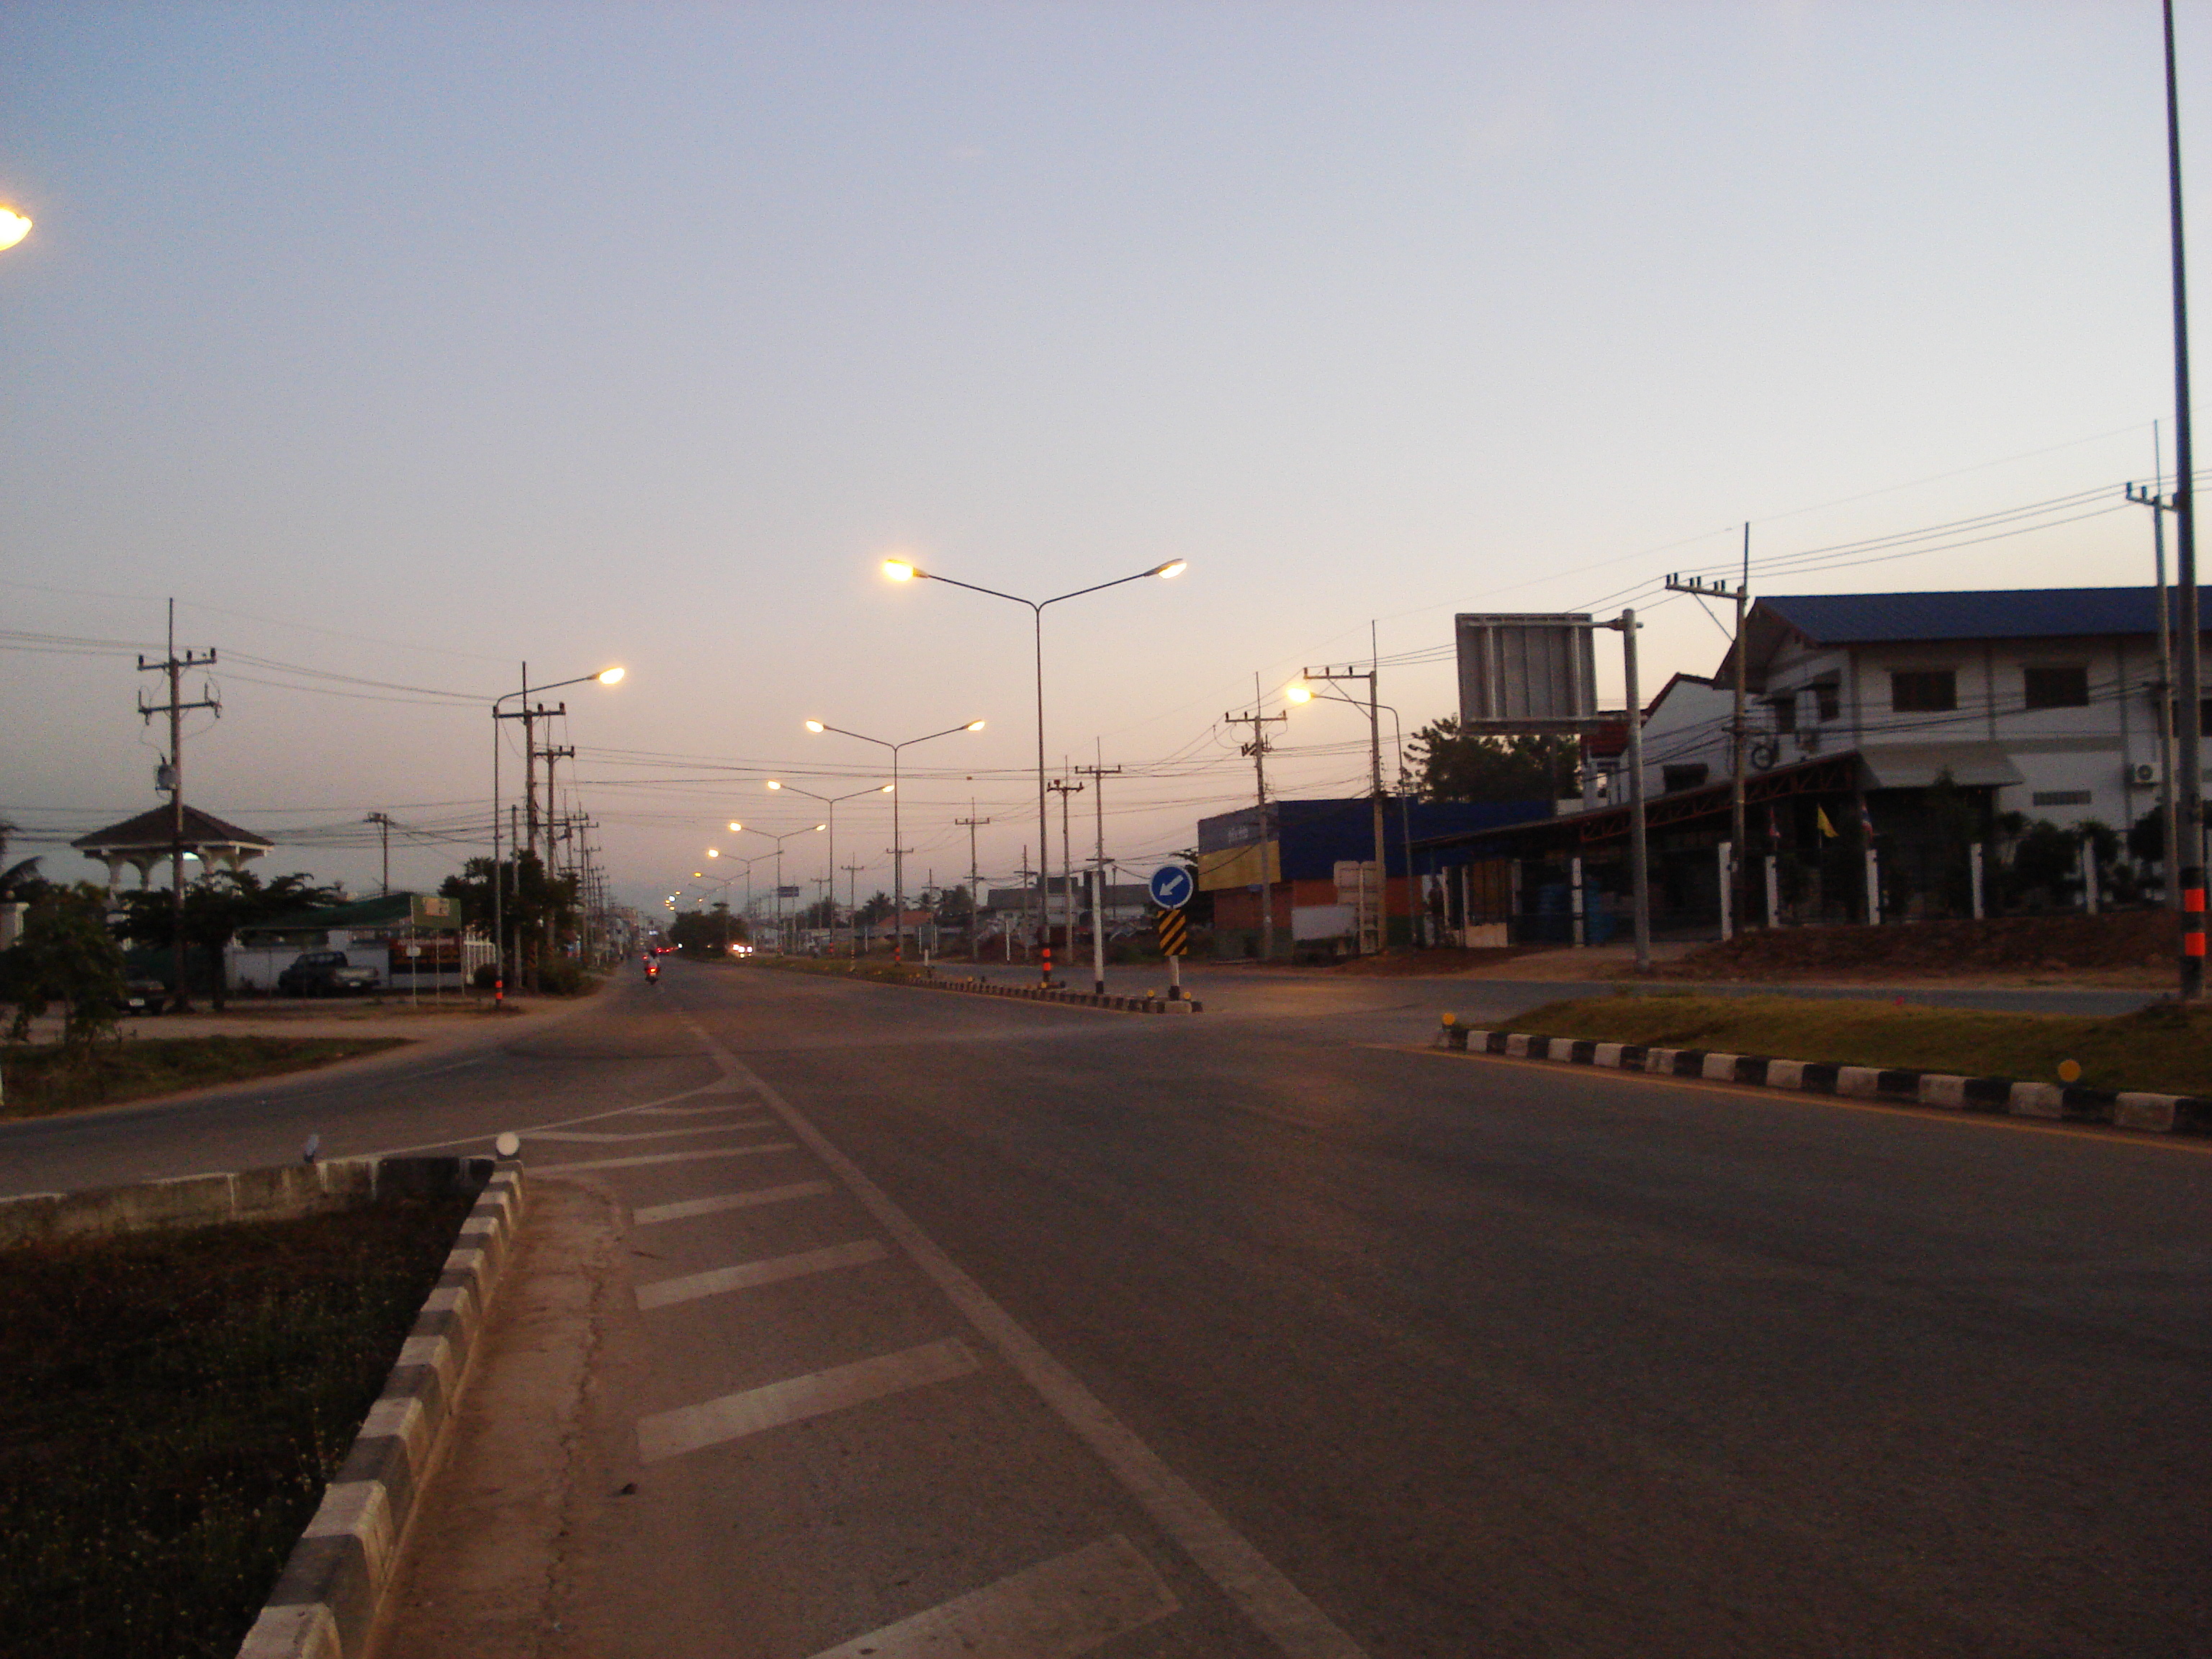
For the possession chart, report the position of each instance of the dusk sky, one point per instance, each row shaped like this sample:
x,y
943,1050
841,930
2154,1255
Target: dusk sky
x,y
403,344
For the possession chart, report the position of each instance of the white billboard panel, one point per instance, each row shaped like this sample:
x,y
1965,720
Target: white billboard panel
x,y
1527,673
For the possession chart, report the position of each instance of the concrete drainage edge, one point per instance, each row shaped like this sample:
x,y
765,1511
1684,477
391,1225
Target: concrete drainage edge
x,y
327,1599
2152,1113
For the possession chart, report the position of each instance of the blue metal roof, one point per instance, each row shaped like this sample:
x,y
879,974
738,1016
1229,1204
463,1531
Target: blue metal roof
x,y
1987,614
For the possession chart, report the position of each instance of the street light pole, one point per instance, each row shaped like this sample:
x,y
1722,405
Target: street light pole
x,y
831,801
905,570
899,847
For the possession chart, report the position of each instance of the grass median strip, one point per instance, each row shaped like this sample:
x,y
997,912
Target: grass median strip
x,y
44,1079
173,1404
2161,1050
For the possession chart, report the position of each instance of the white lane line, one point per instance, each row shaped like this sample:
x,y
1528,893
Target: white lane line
x,y
1071,1604
720,1085
645,1158
735,1105
686,1208
654,1134
1290,1619
689,1428
770,1270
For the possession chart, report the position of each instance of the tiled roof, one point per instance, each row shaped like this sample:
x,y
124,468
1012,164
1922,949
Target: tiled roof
x,y
154,829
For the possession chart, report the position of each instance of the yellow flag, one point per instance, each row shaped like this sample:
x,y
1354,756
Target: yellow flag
x,y
1827,828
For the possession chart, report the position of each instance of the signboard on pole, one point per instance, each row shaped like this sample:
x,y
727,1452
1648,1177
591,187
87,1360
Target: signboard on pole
x,y
1172,886
1175,933
428,912
1526,673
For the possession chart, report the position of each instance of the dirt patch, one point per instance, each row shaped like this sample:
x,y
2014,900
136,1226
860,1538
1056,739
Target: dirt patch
x,y
45,1080
172,1405
1442,959
2145,941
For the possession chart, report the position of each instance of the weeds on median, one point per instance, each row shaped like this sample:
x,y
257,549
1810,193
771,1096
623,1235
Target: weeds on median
x,y
2163,1049
171,1406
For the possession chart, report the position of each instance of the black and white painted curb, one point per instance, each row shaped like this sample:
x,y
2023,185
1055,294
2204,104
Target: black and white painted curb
x,y
326,1600
1074,999
2184,1115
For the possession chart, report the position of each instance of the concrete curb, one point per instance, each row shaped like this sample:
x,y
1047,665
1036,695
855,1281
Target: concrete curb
x,y
326,1601
2181,1114
1074,999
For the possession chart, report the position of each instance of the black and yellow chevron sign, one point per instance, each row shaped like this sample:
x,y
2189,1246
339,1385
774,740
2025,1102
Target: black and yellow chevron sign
x,y
1174,933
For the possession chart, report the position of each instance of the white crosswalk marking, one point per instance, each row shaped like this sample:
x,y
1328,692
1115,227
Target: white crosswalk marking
x,y
749,1275
684,1209
689,1428
1071,1605
644,1158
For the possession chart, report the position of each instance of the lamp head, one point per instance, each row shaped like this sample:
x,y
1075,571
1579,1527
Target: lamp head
x,y
899,570
611,676
815,727
714,852
1173,568
821,826
14,226
773,784
887,789
975,725
735,826
1298,692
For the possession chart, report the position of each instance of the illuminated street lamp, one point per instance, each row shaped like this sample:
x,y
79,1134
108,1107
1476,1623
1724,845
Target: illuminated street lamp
x,y
605,677
898,849
831,864
779,840
13,228
905,570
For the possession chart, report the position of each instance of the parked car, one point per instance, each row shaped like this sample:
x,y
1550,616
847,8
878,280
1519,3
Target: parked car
x,y
323,974
144,996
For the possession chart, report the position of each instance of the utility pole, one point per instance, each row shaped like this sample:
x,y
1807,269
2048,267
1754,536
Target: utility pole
x,y
1370,944
2191,782
1098,775
1063,788
1639,851
974,888
1738,906
852,903
383,822
172,776
1257,749
2168,703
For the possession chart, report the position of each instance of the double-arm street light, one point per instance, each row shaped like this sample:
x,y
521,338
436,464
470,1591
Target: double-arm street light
x,y
899,847
905,570
737,827
605,677
830,864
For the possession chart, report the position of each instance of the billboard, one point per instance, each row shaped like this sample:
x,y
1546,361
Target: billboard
x,y
1527,673
432,912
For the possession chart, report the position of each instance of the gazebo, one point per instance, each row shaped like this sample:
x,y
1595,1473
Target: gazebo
x,y
149,838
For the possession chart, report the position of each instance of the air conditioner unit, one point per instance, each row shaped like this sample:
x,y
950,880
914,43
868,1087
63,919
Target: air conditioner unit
x,y
2142,774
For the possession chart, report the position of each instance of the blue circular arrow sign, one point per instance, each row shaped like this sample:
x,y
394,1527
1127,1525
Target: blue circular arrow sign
x,y
1172,886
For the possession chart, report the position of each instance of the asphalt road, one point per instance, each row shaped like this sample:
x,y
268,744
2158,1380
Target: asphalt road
x,y
1265,1331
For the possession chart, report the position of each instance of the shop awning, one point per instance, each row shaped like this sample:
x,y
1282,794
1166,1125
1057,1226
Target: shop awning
x,y
1916,765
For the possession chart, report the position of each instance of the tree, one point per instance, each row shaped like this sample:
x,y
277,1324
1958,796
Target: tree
x,y
533,904
218,907
1454,766
65,955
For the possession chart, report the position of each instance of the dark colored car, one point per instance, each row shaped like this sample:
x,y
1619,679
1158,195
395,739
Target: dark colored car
x,y
323,974
144,996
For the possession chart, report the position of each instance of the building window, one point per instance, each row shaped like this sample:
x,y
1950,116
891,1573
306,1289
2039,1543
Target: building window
x,y
2058,688
2062,797
1923,690
1828,697
1785,711
1689,775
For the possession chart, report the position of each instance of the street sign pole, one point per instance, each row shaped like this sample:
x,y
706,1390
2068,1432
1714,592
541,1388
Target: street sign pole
x,y
1172,887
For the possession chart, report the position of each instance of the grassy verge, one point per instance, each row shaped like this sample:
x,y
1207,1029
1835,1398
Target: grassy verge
x,y
43,1079
879,968
2161,1050
174,1403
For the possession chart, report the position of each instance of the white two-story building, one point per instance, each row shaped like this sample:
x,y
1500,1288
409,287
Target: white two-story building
x,y
2050,697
